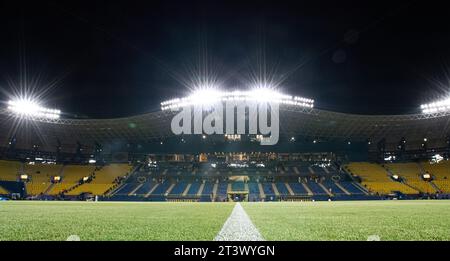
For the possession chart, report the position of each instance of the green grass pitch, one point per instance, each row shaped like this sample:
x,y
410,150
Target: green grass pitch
x,y
352,220
40,220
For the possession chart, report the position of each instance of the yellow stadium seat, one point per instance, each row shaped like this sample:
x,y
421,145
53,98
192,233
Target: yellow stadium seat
x,y
3,191
376,179
440,173
103,180
40,176
71,175
411,174
10,170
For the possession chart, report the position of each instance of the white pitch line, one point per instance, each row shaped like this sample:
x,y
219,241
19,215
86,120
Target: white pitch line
x,y
238,227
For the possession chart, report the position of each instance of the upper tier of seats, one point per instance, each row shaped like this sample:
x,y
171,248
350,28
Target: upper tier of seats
x,y
221,169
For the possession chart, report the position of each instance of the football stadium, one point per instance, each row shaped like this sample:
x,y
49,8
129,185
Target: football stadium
x,y
328,169
284,166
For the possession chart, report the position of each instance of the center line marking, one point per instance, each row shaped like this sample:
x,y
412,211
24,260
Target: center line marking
x,y
238,227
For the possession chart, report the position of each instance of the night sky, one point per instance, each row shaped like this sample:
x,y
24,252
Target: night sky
x,y
111,59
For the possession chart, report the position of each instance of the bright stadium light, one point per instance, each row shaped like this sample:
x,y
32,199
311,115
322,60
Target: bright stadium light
x,y
439,106
210,96
32,109
426,176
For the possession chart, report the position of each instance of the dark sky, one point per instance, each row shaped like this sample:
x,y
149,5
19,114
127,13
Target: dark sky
x,y
120,58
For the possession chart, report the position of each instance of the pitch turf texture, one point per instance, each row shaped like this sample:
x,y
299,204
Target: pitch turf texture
x,y
352,220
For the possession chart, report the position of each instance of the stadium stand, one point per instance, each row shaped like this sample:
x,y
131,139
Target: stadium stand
x,y
179,188
254,193
102,179
3,191
194,189
333,188
376,179
127,188
40,177
440,173
282,189
196,183
238,186
13,187
411,174
298,188
201,182
207,189
72,175
10,170
316,188
141,189
161,189
352,188
222,189
268,189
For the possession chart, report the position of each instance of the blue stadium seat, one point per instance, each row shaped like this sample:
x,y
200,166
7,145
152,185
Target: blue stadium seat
x,y
350,187
208,188
254,192
193,190
222,190
161,188
298,188
282,189
145,188
268,189
315,188
179,188
333,188
238,186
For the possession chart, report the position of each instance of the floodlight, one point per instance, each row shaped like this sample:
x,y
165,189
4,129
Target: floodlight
x,y
438,106
210,96
31,109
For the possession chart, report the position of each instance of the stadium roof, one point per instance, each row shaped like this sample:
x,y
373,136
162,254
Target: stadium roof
x,y
294,122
